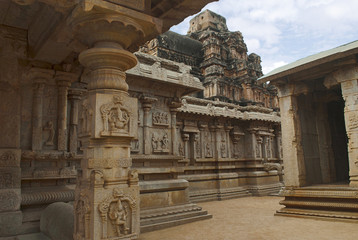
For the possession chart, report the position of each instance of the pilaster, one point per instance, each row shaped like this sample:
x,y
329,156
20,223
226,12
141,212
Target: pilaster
x,y
147,105
63,80
74,96
39,78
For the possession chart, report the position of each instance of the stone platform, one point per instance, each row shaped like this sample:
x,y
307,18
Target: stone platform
x,y
331,202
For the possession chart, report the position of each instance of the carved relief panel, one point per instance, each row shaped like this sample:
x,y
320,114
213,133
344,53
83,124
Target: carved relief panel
x,y
115,115
160,119
119,215
160,142
208,145
49,111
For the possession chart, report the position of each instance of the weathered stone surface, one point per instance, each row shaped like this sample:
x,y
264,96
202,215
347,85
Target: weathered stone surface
x,y
57,221
10,200
10,223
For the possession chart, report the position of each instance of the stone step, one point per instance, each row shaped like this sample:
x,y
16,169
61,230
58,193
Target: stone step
x,y
318,214
320,202
174,217
173,223
32,236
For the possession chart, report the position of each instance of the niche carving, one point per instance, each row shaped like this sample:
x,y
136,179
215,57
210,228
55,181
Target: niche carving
x,y
115,117
117,215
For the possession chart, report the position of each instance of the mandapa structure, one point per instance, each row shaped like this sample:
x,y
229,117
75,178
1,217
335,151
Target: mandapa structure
x,y
318,101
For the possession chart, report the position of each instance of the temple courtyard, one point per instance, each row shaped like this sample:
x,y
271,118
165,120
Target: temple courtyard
x,y
252,218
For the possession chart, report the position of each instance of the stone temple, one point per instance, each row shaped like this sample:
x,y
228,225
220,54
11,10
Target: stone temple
x,y
118,142
110,125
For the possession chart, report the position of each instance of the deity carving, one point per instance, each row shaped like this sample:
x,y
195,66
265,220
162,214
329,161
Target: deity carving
x,y
181,150
115,117
258,146
82,211
160,118
116,214
50,128
268,147
85,118
135,145
208,152
223,150
160,144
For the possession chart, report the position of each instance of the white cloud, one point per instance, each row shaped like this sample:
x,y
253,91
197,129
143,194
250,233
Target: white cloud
x,y
268,68
284,31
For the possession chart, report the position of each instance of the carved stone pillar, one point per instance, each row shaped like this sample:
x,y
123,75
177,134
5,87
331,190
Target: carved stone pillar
x,y
202,127
39,78
348,78
107,194
147,105
227,131
185,137
173,111
293,159
74,95
63,80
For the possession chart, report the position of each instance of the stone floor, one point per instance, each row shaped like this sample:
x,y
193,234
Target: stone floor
x,y
252,219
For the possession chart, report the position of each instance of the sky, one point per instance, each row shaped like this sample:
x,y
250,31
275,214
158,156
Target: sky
x,y
283,31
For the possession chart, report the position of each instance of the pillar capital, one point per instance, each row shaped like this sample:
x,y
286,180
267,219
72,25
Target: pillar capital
x,y
95,21
41,75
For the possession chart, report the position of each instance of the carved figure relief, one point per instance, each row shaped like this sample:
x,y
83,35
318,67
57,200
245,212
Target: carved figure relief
x,y
258,146
82,210
223,150
268,147
115,117
85,118
181,150
197,148
51,133
208,152
116,214
135,146
160,144
160,118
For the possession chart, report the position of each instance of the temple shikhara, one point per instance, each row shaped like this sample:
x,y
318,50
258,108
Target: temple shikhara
x,y
111,125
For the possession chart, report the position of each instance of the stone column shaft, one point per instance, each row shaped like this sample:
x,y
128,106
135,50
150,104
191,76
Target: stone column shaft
x,y
349,91
40,77
173,112
63,81
74,97
295,172
147,105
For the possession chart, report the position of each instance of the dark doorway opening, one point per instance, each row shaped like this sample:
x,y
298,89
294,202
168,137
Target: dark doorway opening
x,y
339,139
